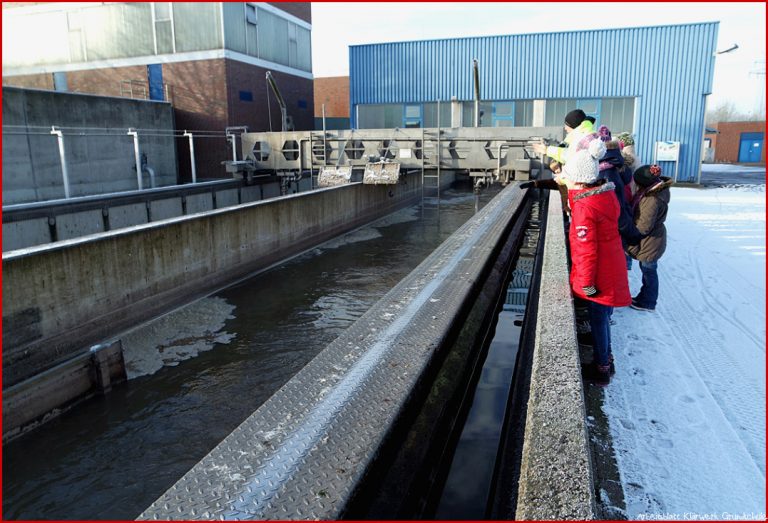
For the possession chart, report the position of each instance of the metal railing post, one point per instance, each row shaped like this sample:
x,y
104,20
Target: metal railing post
x,y
137,155
192,154
233,141
63,159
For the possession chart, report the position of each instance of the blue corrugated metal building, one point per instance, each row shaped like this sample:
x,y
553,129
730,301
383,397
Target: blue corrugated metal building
x,y
651,81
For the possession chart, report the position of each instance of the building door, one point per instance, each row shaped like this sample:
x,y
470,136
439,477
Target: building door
x,y
412,116
750,147
155,81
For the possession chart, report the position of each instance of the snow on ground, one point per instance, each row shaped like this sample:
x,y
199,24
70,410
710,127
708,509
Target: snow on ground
x,y
687,405
725,168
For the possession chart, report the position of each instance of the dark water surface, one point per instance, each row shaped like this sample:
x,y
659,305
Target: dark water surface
x,y
111,457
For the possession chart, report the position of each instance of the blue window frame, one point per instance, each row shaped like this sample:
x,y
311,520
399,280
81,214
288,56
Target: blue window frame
x,y
412,116
503,114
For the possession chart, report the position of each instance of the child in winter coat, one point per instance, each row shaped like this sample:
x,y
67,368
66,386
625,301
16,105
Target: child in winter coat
x,y
648,196
598,272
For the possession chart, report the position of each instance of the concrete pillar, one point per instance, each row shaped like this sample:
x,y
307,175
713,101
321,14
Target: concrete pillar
x,y
455,112
102,358
539,111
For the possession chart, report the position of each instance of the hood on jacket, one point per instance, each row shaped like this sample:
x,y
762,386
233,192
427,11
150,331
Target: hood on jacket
x,y
586,197
661,189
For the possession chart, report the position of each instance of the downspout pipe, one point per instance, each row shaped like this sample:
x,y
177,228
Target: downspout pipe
x,y
476,75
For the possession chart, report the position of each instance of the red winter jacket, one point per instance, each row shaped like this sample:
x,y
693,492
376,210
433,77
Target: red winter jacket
x,y
597,255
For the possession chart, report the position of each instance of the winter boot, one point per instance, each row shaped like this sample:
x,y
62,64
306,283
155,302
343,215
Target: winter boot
x,y
598,374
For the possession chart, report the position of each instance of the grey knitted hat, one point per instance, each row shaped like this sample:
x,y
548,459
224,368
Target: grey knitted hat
x,y
583,167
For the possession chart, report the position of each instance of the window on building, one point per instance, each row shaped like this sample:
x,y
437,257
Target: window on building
x,y
524,113
615,113
250,14
430,114
412,116
119,30
163,27
556,110
379,116
501,113
618,114
76,43
196,26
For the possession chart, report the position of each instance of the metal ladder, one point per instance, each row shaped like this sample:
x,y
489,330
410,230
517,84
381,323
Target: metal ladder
x,y
430,159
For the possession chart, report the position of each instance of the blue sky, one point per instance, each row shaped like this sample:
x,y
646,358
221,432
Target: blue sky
x,y
335,26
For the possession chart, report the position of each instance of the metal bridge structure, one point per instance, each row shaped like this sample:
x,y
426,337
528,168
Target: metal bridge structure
x,y
485,153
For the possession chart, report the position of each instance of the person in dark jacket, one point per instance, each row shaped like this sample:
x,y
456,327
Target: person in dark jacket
x,y
648,196
612,168
598,273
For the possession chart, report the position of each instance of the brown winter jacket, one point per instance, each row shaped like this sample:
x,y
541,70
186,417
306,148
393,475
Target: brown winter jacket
x,y
649,215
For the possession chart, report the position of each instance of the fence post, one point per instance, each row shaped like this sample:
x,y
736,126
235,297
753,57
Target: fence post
x,y
137,155
191,155
63,158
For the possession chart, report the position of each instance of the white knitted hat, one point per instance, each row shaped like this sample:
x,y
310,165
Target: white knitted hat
x,y
583,167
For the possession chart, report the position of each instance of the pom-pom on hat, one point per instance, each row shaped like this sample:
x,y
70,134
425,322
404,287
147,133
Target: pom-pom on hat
x,y
583,167
574,118
604,133
647,175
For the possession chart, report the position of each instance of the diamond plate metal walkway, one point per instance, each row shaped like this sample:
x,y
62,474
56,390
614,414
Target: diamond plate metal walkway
x,y
302,454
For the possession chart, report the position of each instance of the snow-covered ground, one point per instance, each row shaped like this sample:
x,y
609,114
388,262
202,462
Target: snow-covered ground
x,y
687,405
731,167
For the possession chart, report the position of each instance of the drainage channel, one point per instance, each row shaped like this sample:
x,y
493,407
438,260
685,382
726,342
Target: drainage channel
x,y
445,462
469,482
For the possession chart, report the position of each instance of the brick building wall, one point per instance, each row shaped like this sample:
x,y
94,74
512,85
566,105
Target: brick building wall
x,y
334,93
726,142
251,82
301,10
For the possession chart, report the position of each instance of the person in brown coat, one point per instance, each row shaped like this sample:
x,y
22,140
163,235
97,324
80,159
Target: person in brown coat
x,y
648,196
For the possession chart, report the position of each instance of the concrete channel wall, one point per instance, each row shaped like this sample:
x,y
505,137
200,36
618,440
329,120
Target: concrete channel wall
x,y
99,153
60,298
556,474
27,225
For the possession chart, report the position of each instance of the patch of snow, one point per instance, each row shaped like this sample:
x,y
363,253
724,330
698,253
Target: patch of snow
x,y
686,407
175,337
359,235
409,214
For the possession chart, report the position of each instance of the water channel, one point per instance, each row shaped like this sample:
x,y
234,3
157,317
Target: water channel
x,y
198,372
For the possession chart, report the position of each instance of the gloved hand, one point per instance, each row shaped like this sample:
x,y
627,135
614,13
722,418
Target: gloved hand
x,y
527,185
590,291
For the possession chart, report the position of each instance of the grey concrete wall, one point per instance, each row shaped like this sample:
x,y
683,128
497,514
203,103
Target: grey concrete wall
x,y
68,224
96,164
62,297
555,474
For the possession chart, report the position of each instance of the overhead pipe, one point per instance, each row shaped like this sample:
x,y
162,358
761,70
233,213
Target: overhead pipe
x,y
280,101
63,159
136,155
476,74
192,153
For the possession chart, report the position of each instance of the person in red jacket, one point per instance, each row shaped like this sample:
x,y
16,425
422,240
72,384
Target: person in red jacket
x,y
598,266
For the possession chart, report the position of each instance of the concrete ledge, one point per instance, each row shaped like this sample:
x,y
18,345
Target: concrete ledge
x,y
36,400
556,475
62,297
303,454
